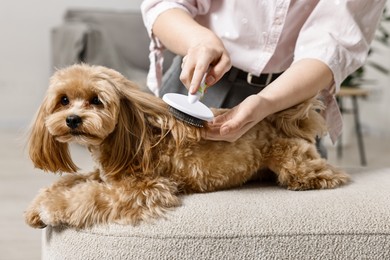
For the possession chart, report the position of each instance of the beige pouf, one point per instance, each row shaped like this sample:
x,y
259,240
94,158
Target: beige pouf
x,y
257,221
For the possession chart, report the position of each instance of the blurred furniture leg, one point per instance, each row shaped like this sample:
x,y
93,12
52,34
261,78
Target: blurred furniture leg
x,y
354,93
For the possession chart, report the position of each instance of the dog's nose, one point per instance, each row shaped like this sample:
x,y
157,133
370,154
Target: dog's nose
x,y
73,121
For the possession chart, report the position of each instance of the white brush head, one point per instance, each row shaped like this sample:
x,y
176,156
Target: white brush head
x,y
181,103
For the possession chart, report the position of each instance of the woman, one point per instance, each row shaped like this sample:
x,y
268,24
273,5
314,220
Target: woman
x,y
260,56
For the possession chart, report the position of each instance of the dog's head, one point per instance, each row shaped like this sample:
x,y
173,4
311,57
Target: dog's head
x,y
94,105
80,106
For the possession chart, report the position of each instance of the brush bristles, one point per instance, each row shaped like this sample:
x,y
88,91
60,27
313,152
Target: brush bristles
x,y
186,118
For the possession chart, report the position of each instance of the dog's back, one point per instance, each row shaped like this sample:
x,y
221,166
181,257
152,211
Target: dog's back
x,y
205,165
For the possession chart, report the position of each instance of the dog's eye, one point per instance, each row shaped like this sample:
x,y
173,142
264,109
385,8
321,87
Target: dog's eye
x,y
64,100
96,101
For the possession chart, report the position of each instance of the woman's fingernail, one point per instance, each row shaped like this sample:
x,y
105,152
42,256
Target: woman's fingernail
x,y
191,89
210,80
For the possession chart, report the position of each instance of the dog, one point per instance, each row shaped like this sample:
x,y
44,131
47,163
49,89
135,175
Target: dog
x,y
145,157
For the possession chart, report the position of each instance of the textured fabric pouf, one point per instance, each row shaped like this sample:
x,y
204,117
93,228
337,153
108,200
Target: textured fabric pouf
x,y
257,221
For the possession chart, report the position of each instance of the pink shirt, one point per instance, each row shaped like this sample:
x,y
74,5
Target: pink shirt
x,y
268,36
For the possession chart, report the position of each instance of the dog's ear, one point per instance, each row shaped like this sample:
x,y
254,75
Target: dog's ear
x,y
45,152
129,146
126,145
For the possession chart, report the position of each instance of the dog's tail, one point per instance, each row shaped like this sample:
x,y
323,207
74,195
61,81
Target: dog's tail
x,y
304,120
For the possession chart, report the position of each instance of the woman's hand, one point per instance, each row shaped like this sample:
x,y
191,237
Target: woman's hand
x,y
233,124
202,49
208,56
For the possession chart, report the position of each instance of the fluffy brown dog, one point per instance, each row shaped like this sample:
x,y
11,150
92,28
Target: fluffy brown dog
x,y
145,157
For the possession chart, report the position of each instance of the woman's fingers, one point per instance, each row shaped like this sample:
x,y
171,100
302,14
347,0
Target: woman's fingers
x,y
210,58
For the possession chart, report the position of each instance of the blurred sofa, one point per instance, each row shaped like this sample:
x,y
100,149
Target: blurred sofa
x,y
116,39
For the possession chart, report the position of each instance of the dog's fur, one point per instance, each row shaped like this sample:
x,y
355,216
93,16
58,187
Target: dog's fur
x,y
145,157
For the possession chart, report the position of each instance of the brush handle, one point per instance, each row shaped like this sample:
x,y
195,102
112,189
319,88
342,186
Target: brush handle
x,y
193,98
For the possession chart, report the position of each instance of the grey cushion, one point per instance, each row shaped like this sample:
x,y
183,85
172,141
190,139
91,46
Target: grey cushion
x,y
124,29
116,39
257,221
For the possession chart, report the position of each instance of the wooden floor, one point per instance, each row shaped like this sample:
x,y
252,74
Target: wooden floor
x,y
19,183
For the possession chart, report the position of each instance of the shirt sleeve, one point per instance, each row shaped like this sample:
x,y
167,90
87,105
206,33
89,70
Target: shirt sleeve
x,y
150,10
339,33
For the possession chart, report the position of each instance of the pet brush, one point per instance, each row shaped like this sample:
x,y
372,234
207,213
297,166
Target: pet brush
x,y
188,108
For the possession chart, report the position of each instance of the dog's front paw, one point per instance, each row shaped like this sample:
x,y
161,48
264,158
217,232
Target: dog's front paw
x,y
44,212
33,218
42,216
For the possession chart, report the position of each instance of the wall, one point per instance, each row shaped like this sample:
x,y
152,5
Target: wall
x,y
25,51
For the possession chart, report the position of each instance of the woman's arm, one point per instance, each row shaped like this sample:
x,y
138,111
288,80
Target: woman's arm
x,y
303,80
